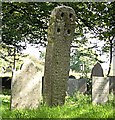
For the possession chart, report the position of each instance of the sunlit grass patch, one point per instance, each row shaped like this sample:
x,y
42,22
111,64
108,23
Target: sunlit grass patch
x,y
78,106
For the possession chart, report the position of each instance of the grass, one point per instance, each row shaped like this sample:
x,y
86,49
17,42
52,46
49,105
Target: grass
x,y
78,106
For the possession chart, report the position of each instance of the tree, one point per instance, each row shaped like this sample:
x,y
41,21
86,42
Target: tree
x,y
8,58
24,22
28,22
82,60
97,18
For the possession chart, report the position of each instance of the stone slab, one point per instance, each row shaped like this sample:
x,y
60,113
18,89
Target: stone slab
x,y
26,87
73,86
60,35
100,90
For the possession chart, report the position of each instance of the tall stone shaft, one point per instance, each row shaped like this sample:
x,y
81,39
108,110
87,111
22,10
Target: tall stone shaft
x,y
60,35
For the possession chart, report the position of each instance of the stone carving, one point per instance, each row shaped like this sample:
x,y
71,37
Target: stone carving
x,y
26,87
60,35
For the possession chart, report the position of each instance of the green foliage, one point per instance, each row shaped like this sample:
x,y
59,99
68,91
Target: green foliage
x,y
78,106
28,22
6,91
79,99
7,58
82,60
24,22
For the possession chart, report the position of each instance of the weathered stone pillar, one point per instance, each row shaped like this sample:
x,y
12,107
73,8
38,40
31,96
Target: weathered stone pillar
x,y
60,35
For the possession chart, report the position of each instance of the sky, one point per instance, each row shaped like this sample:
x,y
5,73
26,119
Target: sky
x,y
32,50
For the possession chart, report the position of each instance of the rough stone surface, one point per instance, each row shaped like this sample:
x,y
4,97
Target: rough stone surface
x,y
26,87
76,85
97,70
60,35
100,90
82,85
72,86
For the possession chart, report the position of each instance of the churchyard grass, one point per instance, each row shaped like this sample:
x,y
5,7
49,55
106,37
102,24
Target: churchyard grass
x,y
78,106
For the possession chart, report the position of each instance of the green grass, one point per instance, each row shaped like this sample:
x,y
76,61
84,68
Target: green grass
x,y
78,106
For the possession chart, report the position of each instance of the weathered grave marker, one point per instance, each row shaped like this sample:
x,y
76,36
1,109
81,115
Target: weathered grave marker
x,y
26,87
100,90
72,86
60,35
100,85
82,85
76,85
97,70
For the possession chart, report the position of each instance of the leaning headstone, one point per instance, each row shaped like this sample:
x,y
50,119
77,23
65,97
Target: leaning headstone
x,y
60,35
97,70
100,90
26,87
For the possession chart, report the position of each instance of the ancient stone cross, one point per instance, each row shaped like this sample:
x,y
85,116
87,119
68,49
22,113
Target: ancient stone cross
x,y
60,35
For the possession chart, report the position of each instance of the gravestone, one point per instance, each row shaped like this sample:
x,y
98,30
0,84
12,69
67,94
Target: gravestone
x,y
72,86
100,90
76,85
60,35
26,87
82,85
97,70
100,85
